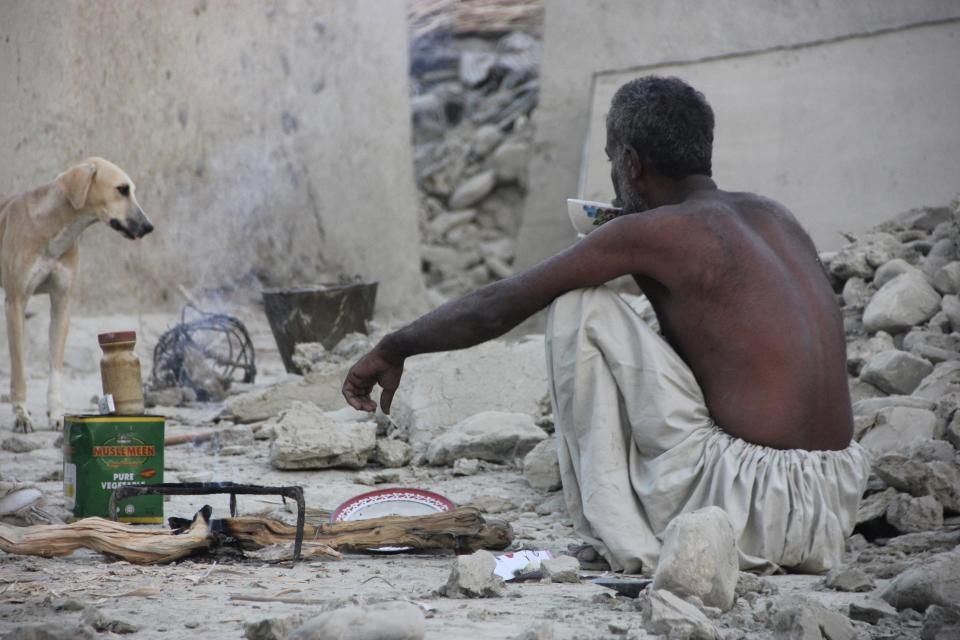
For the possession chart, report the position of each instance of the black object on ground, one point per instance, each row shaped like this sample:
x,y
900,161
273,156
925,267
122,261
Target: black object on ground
x,y
320,313
628,587
211,343
210,488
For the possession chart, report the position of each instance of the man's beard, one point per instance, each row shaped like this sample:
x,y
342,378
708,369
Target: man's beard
x,y
627,198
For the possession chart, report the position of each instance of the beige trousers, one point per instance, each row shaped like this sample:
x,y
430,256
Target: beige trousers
x,y
637,447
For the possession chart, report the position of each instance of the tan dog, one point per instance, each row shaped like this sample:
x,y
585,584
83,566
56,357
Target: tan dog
x,y
39,230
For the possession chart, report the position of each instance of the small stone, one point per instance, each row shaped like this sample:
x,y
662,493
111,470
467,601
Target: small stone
x,y
953,431
561,569
871,611
309,356
665,614
51,631
371,478
472,576
896,372
936,581
908,514
905,301
943,483
942,387
699,558
801,619
892,269
101,622
862,350
486,139
924,218
510,161
393,453
475,189
475,67
450,220
465,467
232,441
857,293
381,621
495,436
947,279
541,468
308,438
941,623
848,578
22,443
951,308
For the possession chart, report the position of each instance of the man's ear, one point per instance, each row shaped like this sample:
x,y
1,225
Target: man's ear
x,y
76,182
635,167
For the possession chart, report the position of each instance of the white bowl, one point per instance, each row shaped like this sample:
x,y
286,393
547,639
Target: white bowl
x,y
586,215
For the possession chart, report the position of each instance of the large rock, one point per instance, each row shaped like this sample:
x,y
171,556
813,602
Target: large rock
x,y
896,372
382,621
440,390
857,293
308,438
541,467
896,425
475,189
321,388
871,611
665,614
495,436
875,505
943,387
699,558
510,161
848,578
473,576
562,569
910,515
905,301
941,623
936,581
393,453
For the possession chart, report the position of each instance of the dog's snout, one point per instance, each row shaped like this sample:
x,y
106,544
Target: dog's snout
x,y
145,229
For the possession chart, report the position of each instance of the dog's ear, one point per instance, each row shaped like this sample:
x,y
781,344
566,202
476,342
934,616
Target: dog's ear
x,y
76,182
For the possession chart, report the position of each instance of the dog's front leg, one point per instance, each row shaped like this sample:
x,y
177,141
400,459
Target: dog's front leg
x,y
59,326
15,309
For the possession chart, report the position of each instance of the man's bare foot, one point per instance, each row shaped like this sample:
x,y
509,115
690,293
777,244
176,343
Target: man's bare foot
x,y
590,559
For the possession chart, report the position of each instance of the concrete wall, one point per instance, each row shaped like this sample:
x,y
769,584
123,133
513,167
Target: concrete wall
x,y
583,37
269,141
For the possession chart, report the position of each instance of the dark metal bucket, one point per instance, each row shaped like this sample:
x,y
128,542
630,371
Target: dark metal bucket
x,y
320,313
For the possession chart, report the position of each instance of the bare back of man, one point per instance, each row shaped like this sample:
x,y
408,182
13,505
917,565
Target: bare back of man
x,y
745,302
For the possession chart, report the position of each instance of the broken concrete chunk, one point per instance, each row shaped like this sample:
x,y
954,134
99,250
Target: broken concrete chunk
x,y
22,443
936,581
51,631
947,279
941,623
473,576
495,436
308,438
393,453
896,372
896,425
473,190
541,467
892,269
233,441
319,388
875,505
440,390
871,611
803,619
466,467
102,622
905,301
665,614
561,569
382,621
951,309
699,558
848,578
943,387
908,514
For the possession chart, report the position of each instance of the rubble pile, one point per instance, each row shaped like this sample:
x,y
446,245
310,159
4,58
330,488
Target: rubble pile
x,y
473,94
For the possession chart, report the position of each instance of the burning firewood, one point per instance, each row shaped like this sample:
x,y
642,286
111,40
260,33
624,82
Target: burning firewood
x,y
128,542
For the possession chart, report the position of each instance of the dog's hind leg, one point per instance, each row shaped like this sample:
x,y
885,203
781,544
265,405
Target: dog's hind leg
x,y
59,326
15,308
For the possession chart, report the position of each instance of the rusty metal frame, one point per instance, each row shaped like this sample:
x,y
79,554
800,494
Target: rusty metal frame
x,y
211,488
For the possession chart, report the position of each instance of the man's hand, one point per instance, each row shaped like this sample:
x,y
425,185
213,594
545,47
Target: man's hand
x,y
373,368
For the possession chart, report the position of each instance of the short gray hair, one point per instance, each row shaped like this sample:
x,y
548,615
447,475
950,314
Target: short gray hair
x,y
667,122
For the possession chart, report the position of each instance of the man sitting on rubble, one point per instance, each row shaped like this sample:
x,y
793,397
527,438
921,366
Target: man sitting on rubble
x,y
742,403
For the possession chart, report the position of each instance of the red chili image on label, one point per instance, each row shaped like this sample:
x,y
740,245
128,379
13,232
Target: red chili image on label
x,y
148,473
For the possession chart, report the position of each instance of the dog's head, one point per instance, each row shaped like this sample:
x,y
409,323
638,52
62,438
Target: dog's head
x,y
100,187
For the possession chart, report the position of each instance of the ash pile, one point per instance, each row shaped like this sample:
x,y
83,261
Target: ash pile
x,y
475,85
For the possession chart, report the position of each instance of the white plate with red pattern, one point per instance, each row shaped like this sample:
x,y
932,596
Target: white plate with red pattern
x,y
391,502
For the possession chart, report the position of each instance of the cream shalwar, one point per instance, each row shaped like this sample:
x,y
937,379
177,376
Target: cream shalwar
x,y
637,447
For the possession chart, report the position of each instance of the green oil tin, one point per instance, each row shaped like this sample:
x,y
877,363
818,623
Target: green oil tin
x,y
101,453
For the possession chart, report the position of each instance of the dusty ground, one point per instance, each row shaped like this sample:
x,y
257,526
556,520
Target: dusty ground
x,y
191,598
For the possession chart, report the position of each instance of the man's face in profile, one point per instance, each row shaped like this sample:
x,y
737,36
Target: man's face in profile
x,y
627,196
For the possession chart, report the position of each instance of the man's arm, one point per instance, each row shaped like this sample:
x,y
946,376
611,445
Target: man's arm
x,y
633,244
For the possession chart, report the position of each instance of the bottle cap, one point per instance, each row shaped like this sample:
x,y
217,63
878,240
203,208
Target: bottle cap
x,y
115,337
